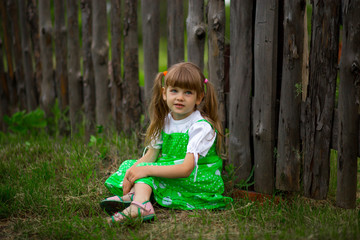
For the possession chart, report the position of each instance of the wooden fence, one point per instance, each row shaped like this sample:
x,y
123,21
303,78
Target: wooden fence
x,y
280,108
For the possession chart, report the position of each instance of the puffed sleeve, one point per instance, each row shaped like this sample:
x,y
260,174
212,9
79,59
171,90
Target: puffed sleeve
x,y
201,138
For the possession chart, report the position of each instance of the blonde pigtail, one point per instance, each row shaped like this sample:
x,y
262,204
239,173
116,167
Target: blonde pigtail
x,y
157,109
210,112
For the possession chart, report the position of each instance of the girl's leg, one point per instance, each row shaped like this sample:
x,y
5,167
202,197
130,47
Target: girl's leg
x,y
142,194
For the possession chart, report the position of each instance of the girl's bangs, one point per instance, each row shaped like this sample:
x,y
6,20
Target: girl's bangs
x,y
184,79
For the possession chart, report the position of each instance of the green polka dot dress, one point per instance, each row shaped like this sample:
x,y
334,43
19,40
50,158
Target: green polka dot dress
x,y
201,190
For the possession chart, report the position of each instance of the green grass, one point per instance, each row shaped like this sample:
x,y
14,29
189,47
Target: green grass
x,y
50,189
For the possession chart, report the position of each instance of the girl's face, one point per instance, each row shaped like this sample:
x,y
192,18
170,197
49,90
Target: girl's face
x,y
181,101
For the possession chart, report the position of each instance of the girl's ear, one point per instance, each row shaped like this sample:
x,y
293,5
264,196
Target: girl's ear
x,y
199,99
163,90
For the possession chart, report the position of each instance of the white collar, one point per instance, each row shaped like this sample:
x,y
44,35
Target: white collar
x,y
196,115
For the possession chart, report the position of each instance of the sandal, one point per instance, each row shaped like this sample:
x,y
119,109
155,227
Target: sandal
x,y
145,213
115,204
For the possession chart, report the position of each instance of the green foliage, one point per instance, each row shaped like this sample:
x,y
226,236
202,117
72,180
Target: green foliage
x,y
59,118
25,123
245,184
230,176
275,153
298,89
98,142
35,122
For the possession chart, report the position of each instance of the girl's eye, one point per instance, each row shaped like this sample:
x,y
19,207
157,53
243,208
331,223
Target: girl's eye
x,y
188,92
173,90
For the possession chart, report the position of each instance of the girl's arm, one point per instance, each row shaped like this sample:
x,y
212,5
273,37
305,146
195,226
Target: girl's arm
x,y
182,170
149,156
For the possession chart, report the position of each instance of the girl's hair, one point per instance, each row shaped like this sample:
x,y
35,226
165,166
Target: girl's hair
x,y
184,75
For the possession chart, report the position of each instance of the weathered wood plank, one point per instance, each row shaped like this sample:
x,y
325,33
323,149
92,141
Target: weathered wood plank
x,y
348,107
4,91
47,94
289,146
264,114
116,79
196,32
13,12
241,77
7,40
320,100
335,133
131,90
88,69
73,56
150,10
61,77
175,28
8,47
216,44
305,61
30,88
33,19
99,51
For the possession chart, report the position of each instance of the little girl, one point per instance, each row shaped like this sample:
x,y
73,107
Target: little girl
x,y
182,167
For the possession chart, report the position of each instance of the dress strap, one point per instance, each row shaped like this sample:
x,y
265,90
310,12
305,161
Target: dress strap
x,y
145,149
202,120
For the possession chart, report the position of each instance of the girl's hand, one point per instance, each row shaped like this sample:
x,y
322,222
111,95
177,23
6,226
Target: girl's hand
x,y
126,186
136,173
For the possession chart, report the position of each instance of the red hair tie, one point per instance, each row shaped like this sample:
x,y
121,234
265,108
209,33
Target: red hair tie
x,y
164,72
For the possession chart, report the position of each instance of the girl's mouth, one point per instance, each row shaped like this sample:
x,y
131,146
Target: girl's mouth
x,y
179,105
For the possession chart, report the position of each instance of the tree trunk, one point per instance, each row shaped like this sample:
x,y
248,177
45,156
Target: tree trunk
x,y
288,149
216,35
150,10
88,75
116,83
4,91
131,90
31,98
264,106
175,24
241,75
47,95
62,87
196,32
349,98
33,20
73,54
320,101
99,49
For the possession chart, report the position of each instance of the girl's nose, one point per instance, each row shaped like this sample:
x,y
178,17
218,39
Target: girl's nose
x,y
180,97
